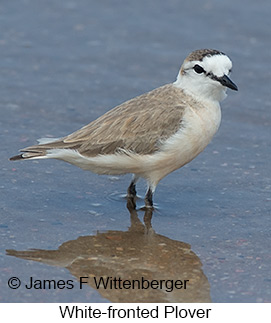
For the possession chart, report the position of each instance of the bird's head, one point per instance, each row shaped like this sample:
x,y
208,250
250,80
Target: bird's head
x,y
205,75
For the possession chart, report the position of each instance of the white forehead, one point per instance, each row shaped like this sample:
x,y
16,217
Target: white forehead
x,y
216,64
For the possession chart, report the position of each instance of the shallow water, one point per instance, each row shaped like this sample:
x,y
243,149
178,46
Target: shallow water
x,y
65,63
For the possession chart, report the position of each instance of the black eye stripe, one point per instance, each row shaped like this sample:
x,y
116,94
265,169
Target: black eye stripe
x,y
198,69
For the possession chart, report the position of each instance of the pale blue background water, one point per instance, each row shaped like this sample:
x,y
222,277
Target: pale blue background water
x,y
64,63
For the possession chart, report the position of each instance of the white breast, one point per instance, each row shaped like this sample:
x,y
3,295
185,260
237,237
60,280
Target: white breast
x,y
196,131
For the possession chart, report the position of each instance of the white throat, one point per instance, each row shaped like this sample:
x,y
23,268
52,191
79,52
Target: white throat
x,y
201,91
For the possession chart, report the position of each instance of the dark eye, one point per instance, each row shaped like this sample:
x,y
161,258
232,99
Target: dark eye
x,y
198,69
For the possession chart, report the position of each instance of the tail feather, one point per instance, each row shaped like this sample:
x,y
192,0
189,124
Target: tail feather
x,y
40,151
29,154
35,151
17,157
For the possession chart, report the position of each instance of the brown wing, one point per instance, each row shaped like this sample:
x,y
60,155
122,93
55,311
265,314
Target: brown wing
x,y
138,125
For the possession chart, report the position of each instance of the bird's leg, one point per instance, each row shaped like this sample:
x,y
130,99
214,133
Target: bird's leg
x,y
148,198
131,192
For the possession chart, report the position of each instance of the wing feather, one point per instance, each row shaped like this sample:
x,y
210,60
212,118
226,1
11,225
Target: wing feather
x,y
138,125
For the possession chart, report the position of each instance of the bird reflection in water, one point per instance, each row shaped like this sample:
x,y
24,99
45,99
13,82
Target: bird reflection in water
x,y
131,256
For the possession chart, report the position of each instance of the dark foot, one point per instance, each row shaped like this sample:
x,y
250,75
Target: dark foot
x,y
148,199
131,192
